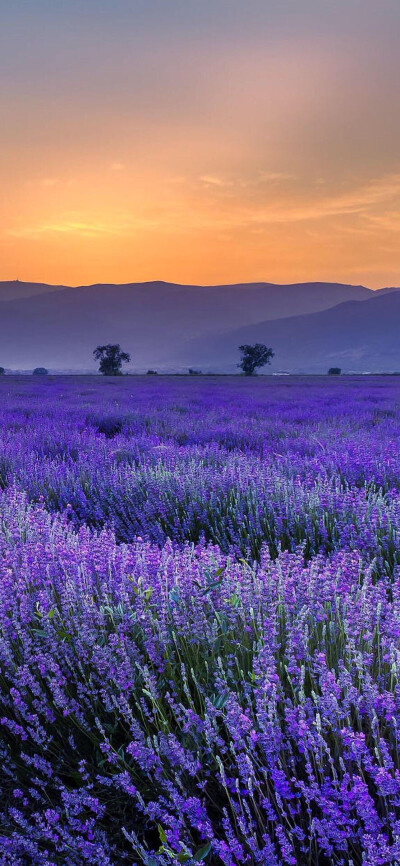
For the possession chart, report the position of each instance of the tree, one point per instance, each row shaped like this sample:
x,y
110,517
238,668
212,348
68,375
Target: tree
x,y
111,358
334,371
2,371
40,371
253,357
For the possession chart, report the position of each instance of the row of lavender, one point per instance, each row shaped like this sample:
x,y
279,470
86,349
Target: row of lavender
x,y
232,701
240,464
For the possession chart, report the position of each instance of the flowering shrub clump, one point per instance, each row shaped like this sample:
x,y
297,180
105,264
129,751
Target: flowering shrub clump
x,y
200,637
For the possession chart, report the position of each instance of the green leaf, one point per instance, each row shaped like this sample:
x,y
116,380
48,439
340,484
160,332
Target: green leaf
x,y
219,701
148,694
201,854
63,634
161,834
212,586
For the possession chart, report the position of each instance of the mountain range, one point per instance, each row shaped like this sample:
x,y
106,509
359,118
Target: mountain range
x,y
170,327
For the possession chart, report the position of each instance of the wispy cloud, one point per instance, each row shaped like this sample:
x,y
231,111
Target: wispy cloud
x,y
389,221
81,228
274,176
244,181
376,202
215,181
360,200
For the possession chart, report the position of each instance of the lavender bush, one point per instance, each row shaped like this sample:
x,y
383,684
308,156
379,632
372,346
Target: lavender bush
x,y
199,622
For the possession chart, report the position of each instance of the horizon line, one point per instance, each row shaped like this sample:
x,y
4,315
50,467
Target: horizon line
x,y
196,285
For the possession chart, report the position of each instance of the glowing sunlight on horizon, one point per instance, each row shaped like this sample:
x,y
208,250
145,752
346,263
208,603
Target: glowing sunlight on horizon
x,y
211,144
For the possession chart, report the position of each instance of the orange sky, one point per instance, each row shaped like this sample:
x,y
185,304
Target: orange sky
x,y
208,145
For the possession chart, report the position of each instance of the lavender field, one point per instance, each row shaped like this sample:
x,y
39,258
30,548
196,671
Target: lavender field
x,y
200,621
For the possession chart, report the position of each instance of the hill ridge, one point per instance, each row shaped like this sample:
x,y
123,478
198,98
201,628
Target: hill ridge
x,y
161,324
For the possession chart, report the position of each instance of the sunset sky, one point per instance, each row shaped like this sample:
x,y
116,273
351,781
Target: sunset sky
x,y
201,141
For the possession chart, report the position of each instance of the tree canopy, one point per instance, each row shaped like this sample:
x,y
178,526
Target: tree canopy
x,y
254,356
111,358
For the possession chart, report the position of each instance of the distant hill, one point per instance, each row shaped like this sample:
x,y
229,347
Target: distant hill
x,y
59,327
356,336
388,290
14,290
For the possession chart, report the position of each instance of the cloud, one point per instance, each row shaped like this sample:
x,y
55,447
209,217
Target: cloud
x,y
359,201
375,201
274,176
214,180
387,221
82,228
241,181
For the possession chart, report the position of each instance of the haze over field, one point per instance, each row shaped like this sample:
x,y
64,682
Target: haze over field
x,y
311,326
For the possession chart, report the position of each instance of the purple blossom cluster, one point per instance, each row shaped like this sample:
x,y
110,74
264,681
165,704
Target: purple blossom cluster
x,y
200,622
